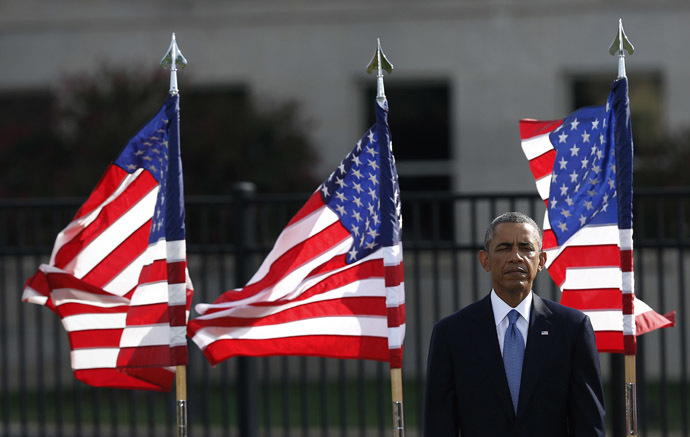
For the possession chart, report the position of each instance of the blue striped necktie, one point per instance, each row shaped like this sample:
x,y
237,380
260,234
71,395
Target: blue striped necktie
x,y
513,353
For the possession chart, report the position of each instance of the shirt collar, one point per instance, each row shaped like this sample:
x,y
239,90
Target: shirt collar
x,y
501,309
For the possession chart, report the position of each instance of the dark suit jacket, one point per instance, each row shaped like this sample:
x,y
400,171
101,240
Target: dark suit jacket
x,y
560,391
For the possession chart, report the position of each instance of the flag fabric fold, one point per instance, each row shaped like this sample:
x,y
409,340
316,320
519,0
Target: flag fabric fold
x,y
117,276
582,166
332,286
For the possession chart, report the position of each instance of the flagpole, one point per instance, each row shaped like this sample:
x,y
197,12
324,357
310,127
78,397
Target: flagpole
x,y
173,59
618,47
379,63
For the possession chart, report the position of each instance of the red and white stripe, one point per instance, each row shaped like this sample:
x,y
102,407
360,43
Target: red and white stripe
x,y
306,300
122,300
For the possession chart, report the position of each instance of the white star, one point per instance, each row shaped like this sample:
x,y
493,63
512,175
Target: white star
x,y
593,181
573,124
340,182
562,137
565,212
596,169
341,167
604,207
563,163
371,151
585,137
374,180
352,253
372,193
607,109
602,140
357,216
373,165
357,174
376,219
594,150
563,227
612,184
370,245
563,189
584,163
357,201
605,198
138,153
613,167
554,177
355,159
355,230
582,219
552,203
357,187
373,234
341,209
592,193
574,150
131,166
569,201
341,196
588,205
372,139
573,176
595,124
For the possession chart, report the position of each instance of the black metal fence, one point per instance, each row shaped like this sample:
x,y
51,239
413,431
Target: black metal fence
x,y
227,238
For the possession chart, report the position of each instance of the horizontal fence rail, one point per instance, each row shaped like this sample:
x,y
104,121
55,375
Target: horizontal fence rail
x,y
227,238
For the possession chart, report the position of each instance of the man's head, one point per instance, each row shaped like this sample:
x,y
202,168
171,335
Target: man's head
x,y
512,253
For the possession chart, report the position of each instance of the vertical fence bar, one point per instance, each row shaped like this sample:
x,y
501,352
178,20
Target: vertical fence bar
x,y
23,401
4,362
246,366
304,395
205,402
343,398
684,411
323,379
661,289
417,302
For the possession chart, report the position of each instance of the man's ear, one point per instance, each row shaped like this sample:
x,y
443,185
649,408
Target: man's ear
x,y
542,260
484,260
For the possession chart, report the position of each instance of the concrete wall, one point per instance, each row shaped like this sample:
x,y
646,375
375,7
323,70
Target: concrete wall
x,y
504,60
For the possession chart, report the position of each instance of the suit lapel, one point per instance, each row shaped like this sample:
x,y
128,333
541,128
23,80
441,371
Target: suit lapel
x,y
538,343
489,353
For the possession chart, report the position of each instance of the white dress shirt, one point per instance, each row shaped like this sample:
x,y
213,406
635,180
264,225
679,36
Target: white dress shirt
x,y
501,310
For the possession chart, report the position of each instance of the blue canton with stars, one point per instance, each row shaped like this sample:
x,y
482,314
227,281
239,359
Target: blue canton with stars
x,y
583,183
363,191
149,149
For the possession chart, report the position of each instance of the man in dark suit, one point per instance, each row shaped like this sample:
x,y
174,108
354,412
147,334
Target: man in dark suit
x,y
513,364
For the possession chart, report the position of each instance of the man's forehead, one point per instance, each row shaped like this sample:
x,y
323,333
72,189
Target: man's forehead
x,y
510,232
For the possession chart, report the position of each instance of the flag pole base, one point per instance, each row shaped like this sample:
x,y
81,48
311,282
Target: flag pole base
x,y
181,418
398,420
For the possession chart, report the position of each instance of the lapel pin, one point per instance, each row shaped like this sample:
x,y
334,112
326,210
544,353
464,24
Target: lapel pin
x,y
544,332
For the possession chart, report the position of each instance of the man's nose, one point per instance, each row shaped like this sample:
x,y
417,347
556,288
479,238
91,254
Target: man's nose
x,y
515,255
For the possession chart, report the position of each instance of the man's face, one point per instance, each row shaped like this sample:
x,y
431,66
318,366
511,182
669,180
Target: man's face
x,y
514,258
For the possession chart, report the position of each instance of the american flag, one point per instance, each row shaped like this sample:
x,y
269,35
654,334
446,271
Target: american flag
x,y
583,170
332,286
117,275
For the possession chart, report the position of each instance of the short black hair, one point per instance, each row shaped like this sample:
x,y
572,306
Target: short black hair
x,y
510,217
